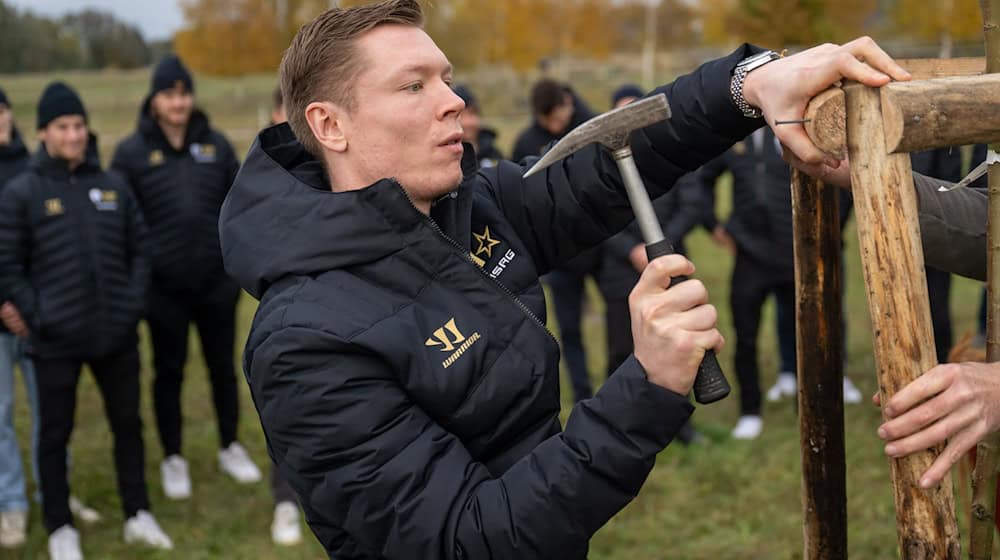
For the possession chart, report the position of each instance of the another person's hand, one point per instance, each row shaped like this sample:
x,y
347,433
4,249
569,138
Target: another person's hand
x,y
12,319
672,328
637,256
959,403
783,88
833,172
723,239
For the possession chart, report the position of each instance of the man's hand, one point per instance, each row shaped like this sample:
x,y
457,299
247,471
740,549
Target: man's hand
x,y
783,88
12,319
955,402
672,328
723,239
833,172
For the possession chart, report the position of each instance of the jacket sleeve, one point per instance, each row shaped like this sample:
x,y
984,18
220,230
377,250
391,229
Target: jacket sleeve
x,y
688,209
14,245
580,201
139,250
953,227
368,462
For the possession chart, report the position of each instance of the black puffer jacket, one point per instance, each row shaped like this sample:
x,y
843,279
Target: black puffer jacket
x,y
73,257
406,384
180,192
13,158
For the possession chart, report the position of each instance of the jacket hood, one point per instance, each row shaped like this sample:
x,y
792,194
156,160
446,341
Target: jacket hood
x,y
198,126
45,164
16,148
281,218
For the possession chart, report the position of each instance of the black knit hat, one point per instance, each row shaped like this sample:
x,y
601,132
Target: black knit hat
x,y
465,93
58,100
627,90
3,98
168,72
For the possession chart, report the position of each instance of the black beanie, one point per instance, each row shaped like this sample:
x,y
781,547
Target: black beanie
x,y
58,100
627,90
3,98
465,93
168,72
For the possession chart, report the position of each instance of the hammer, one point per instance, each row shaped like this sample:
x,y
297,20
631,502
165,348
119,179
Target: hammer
x,y
612,130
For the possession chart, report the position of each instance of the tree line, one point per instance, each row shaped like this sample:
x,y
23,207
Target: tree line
x,y
88,39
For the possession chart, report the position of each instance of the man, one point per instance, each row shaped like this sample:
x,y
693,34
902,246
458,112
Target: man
x,y
13,496
759,233
180,170
411,396
74,270
481,138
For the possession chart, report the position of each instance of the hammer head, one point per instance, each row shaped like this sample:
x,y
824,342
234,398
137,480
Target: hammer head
x,y
611,129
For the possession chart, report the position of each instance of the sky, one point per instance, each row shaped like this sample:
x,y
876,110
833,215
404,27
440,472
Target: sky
x,y
156,19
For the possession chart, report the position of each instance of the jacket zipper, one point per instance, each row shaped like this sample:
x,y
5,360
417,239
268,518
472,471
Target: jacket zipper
x,y
467,257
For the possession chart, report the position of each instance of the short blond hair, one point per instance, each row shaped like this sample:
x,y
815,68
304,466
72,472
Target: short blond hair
x,y
322,62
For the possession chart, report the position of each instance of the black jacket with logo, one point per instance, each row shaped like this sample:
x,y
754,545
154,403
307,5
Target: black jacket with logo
x,y
73,258
399,362
180,192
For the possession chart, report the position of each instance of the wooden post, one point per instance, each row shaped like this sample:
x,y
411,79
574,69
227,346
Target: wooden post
x,y
893,263
984,477
820,343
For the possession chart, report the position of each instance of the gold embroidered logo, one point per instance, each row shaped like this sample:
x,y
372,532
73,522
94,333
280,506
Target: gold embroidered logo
x,y
156,158
486,243
447,337
479,262
53,207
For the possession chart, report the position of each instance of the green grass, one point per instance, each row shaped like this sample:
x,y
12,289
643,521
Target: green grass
x,y
725,499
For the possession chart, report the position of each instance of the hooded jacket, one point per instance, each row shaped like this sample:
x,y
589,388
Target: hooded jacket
x,y
180,192
399,362
73,257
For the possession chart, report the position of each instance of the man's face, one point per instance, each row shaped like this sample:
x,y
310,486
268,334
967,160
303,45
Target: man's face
x,y
66,138
557,121
405,123
173,107
470,125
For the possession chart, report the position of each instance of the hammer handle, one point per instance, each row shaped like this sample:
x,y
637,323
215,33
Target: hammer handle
x,y
710,385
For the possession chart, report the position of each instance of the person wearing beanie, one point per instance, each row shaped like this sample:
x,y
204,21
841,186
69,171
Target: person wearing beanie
x,y
625,94
180,170
481,138
73,272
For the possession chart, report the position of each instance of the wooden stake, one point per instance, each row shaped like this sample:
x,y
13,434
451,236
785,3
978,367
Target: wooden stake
x,y
820,344
984,477
896,287
918,115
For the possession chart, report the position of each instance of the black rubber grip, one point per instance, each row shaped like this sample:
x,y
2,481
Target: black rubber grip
x,y
710,385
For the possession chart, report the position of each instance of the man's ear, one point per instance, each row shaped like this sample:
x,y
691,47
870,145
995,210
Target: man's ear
x,y
326,121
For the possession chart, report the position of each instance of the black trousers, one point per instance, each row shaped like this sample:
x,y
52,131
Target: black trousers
x,y
939,290
752,282
169,319
618,323
567,288
281,491
117,378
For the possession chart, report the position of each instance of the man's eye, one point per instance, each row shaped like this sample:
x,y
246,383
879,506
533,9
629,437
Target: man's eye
x,y
415,87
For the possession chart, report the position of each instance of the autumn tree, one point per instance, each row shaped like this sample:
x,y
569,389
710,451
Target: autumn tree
x,y
939,21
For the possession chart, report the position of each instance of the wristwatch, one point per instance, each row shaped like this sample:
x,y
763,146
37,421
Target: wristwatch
x,y
744,67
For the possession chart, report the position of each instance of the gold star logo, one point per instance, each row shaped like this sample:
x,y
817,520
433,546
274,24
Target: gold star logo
x,y
486,243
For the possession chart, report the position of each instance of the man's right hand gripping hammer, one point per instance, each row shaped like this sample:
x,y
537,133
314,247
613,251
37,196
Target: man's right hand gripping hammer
x,y
680,318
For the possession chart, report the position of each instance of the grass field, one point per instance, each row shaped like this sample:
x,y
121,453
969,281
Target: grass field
x,y
720,500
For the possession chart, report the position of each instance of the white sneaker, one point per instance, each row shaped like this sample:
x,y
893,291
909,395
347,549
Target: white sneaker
x,y
64,544
749,427
142,528
851,393
235,462
285,530
785,386
82,511
176,482
13,528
